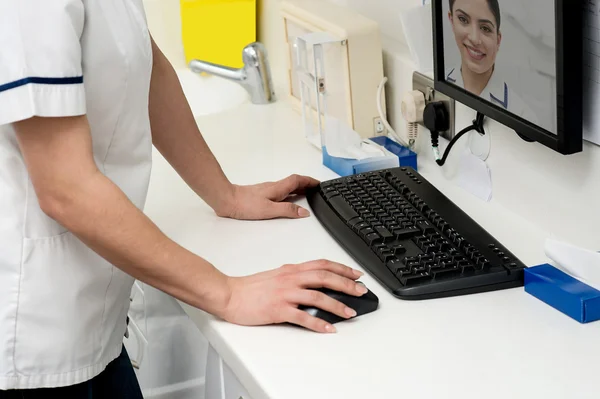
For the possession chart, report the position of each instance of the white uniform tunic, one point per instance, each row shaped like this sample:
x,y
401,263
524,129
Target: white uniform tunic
x,y
63,308
497,92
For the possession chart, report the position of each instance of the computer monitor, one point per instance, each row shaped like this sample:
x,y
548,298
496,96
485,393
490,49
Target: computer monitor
x,y
516,61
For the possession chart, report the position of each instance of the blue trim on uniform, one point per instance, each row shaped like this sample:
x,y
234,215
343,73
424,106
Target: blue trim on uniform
x,y
42,81
505,102
448,78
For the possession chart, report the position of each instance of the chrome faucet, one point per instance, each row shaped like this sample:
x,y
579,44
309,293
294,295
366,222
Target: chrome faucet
x,y
254,76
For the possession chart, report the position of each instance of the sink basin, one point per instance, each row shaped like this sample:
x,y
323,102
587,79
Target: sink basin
x,y
209,94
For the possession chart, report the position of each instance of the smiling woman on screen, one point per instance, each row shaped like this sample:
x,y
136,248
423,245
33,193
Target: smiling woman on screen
x,y
476,28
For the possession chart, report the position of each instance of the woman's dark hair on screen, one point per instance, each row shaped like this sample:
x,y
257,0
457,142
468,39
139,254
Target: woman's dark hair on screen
x,y
494,8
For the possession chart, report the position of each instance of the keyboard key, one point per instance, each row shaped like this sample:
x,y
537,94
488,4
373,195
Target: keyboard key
x,y
386,256
360,208
384,233
379,247
406,209
414,218
406,232
395,265
468,268
422,206
388,221
365,232
414,279
396,213
360,226
444,246
443,258
428,264
425,227
403,221
356,221
419,269
429,248
409,259
342,208
372,238
420,240
399,249
446,272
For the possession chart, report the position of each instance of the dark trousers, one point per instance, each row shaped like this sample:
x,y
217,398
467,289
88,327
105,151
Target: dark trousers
x,y
117,381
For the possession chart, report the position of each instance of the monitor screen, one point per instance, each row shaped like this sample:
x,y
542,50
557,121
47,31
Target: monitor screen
x,y
516,61
505,52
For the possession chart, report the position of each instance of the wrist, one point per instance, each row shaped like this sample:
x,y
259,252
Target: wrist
x,y
227,202
224,300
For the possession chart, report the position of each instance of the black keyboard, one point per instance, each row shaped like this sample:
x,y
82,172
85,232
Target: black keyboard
x,y
415,241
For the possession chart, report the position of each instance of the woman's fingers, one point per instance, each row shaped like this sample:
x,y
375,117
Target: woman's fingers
x,y
319,300
303,319
324,264
326,279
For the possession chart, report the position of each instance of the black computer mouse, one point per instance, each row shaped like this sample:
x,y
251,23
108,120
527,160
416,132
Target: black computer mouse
x,y
364,304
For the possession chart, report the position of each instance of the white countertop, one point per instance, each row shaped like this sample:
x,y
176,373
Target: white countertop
x,y
503,344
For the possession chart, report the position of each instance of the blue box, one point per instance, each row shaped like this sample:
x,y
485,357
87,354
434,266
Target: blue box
x,y
407,157
348,167
563,292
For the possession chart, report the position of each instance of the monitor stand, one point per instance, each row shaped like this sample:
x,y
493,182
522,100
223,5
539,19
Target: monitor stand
x,y
527,139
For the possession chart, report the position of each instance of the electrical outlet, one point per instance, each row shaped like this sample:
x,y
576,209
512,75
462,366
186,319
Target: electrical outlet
x,y
379,126
424,84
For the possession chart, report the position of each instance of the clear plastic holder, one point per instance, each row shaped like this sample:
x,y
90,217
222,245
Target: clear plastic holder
x,y
318,82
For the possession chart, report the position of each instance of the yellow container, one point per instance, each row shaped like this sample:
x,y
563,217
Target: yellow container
x,y
217,30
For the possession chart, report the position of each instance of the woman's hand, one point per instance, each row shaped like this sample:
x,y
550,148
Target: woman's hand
x,y
267,200
273,297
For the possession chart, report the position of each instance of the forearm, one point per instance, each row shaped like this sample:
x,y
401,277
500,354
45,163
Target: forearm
x,y
72,191
100,215
176,135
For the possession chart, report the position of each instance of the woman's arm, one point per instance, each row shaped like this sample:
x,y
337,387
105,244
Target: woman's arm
x,y
177,137
72,191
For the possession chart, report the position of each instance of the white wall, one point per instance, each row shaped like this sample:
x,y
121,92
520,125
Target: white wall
x,y
561,194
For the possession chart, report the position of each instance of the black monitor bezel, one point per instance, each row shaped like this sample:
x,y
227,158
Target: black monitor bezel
x,y
569,84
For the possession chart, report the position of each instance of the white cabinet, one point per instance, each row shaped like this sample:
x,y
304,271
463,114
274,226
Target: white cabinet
x,y
221,382
165,346
172,359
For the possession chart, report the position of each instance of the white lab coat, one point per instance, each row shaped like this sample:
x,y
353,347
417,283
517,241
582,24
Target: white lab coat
x,y
498,92
63,308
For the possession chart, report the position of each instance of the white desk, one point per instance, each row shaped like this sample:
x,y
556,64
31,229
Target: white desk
x,y
503,344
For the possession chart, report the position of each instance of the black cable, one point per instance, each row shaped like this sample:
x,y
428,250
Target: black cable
x,y
437,119
466,130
